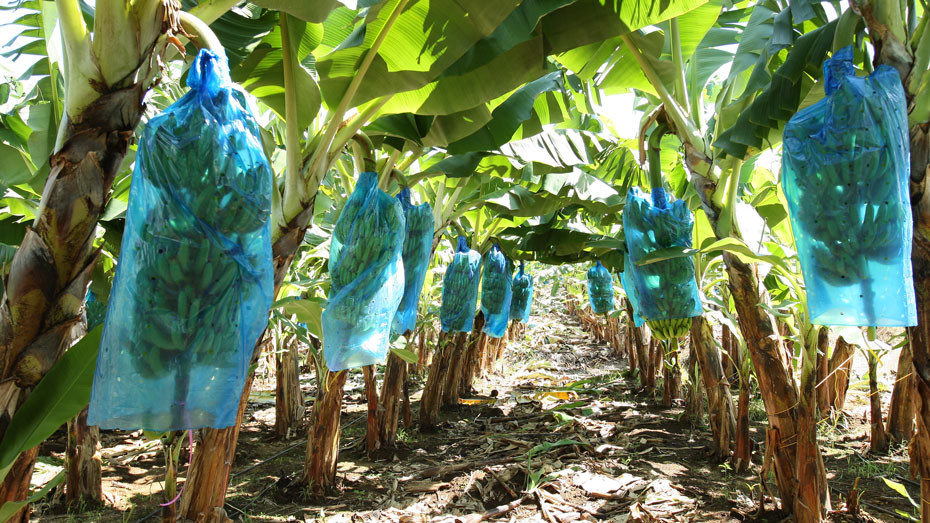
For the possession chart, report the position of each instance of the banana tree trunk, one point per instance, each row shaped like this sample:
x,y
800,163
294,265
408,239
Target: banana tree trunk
x,y
901,409
839,371
636,333
395,378
52,267
373,427
920,335
823,369
779,393
694,399
878,441
84,483
776,383
813,500
732,358
431,399
671,373
323,437
716,387
288,400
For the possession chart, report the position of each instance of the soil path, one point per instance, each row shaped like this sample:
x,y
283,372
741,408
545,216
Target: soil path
x,y
558,426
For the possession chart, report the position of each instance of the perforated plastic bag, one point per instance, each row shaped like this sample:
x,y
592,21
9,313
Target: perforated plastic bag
x,y
522,300
845,173
460,290
600,289
665,290
418,243
95,311
367,274
496,292
194,282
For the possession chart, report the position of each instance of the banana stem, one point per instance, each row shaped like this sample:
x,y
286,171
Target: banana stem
x,y
681,91
346,102
685,128
205,35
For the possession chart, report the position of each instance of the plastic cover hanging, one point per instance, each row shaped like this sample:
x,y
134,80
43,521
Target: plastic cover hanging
x,y
600,289
418,243
366,270
194,281
496,292
665,290
522,300
845,172
460,290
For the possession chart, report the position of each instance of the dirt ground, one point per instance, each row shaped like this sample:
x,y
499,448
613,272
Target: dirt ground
x,y
559,425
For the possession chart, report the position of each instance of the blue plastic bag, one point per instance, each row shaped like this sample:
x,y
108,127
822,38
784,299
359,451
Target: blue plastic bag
x,y
665,290
194,281
367,273
522,300
95,311
845,172
460,290
418,244
496,292
600,289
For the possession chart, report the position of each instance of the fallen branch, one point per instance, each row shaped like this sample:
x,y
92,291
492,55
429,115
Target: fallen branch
x,y
441,470
494,512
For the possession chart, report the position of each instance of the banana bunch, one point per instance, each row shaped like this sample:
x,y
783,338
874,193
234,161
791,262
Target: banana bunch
x,y
669,329
852,230
522,299
666,290
845,174
495,281
187,312
460,290
366,240
418,244
225,183
600,289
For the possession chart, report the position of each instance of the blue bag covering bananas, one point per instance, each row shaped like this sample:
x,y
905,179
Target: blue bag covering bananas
x,y
367,273
664,293
522,300
600,289
418,244
845,174
460,290
194,282
496,292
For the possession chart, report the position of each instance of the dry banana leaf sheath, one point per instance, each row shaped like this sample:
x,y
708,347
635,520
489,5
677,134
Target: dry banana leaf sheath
x,y
194,281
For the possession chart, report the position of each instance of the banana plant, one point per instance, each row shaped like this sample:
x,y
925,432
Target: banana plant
x,y
773,86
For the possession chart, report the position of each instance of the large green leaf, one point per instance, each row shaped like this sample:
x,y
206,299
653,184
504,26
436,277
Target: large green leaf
x,y
587,22
463,92
758,124
426,38
507,117
262,72
315,11
10,508
59,396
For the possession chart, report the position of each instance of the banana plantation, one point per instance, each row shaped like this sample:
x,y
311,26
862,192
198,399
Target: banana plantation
x,y
464,260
